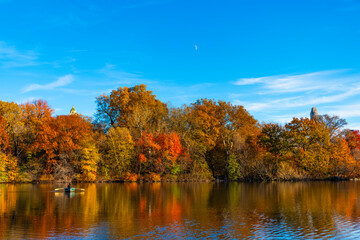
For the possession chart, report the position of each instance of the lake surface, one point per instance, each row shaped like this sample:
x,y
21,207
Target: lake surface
x,y
182,210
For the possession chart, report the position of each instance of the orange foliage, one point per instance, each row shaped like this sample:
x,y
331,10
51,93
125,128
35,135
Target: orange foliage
x,y
142,158
342,163
135,108
170,146
36,112
59,135
4,139
159,152
131,177
223,139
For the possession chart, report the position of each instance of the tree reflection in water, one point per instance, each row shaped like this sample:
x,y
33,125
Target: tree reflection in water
x,y
181,210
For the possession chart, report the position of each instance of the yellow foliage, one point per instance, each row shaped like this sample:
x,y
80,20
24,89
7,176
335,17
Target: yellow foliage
x,y
9,165
46,177
154,177
119,151
88,163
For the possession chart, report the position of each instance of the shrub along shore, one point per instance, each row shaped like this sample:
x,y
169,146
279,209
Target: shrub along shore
x,y
136,137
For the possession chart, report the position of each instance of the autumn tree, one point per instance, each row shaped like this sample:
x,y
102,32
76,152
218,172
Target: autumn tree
x,y
36,112
352,138
162,154
135,108
212,129
342,162
34,115
9,169
11,113
119,152
4,138
169,152
275,145
272,138
333,123
309,143
61,135
147,149
88,162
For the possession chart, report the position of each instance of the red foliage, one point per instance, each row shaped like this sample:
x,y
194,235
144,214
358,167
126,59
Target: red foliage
x,y
4,138
159,152
170,146
353,139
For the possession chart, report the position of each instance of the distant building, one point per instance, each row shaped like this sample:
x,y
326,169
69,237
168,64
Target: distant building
x,y
73,111
314,113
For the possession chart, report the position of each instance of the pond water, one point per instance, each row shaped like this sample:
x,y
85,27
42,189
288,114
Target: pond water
x,y
182,210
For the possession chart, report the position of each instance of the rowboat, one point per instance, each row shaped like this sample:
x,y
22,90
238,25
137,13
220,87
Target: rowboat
x,y
69,189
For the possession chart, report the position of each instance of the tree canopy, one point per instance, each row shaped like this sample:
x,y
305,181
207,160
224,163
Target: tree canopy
x,y
135,136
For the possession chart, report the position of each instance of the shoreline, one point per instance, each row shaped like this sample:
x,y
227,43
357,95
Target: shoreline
x,y
331,179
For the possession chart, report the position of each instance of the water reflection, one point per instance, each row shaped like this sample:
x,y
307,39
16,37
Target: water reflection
x,y
184,210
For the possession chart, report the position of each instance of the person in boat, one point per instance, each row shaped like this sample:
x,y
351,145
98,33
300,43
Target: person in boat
x,y
69,185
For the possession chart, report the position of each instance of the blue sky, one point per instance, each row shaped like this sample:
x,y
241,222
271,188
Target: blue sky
x,y
276,58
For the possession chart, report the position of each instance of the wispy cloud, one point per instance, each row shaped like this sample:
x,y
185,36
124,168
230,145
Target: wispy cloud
x,y
115,76
298,82
281,97
60,82
297,101
12,57
348,110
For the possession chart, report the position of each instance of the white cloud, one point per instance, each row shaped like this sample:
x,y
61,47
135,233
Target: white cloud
x,y
279,98
345,111
60,82
297,101
300,82
12,57
247,81
253,106
355,126
306,90
121,77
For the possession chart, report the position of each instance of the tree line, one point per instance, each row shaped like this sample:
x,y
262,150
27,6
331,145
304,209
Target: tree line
x,y
136,137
